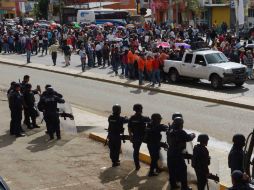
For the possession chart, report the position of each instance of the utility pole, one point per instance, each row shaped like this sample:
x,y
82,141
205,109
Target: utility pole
x,y
237,18
170,12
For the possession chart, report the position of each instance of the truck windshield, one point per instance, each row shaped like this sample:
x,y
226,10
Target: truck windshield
x,y
214,58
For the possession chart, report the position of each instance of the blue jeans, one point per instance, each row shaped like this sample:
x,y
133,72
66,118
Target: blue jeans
x,y
126,69
250,72
6,48
156,76
131,71
115,65
140,76
28,55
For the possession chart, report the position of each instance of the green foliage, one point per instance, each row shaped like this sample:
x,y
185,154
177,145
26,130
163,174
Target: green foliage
x,y
41,9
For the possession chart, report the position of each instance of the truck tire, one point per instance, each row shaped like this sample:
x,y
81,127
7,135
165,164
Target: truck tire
x,y
216,81
239,84
173,76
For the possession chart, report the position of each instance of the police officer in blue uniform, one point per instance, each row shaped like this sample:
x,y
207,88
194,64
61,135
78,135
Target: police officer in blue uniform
x,y
29,107
236,154
115,130
137,125
16,107
201,160
48,104
153,140
177,139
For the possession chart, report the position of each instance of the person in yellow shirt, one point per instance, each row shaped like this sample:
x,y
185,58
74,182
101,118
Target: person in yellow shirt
x,y
53,51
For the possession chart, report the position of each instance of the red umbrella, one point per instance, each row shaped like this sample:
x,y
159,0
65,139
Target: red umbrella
x,y
163,44
108,24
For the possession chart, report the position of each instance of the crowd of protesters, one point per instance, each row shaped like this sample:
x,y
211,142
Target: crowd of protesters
x,y
138,50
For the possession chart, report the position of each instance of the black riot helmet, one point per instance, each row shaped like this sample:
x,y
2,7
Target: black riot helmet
x,y
47,86
203,138
28,86
116,109
176,114
239,139
156,118
178,123
50,91
137,108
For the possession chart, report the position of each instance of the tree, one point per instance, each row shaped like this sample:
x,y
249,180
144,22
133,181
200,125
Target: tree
x,y
41,9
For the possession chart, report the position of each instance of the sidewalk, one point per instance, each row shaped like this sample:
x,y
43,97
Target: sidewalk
x,y
232,98
73,163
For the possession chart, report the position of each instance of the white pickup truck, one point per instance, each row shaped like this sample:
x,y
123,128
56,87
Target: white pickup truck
x,y
206,64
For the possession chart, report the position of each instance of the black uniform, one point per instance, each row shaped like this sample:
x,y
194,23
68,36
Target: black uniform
x,y
153,139
45,93
48,104
177,139
137,126
9,92
16,106
200,162
29,108
115,129
235,158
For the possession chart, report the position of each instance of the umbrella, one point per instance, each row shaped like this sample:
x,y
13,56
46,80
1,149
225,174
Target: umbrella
x,y
186,46
163,44
76,25
108,24
130,26
92,26
53,26
121,27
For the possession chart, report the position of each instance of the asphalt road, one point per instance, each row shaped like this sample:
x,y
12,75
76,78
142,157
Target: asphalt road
x,y
218,121
246,91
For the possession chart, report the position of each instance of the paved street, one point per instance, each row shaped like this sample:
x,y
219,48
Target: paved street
x,y
247,90
219,121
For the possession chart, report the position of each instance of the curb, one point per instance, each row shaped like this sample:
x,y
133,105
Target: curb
x,y
206,99
145,158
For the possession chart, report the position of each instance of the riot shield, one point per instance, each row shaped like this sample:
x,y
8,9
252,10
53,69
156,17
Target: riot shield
x,y
67,125
40,117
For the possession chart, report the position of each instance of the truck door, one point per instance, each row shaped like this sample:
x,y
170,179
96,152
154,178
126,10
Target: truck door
x,y
200,67
186,65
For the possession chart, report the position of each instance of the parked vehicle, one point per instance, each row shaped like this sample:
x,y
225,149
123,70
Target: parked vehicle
x,y
206,64
3,185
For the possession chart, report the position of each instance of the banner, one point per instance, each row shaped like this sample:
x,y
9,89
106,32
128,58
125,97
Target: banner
x,y
241,13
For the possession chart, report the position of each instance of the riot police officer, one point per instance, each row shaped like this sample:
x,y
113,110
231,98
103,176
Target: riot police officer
x,y
16,107
115,129
201,161
236,154
153,140
44,94
9,92
48,104
177,139
29,107
137,125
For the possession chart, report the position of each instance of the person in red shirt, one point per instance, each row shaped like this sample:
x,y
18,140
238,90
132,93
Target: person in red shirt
x,y
156,70
141,67
130,57
149,67
28,47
